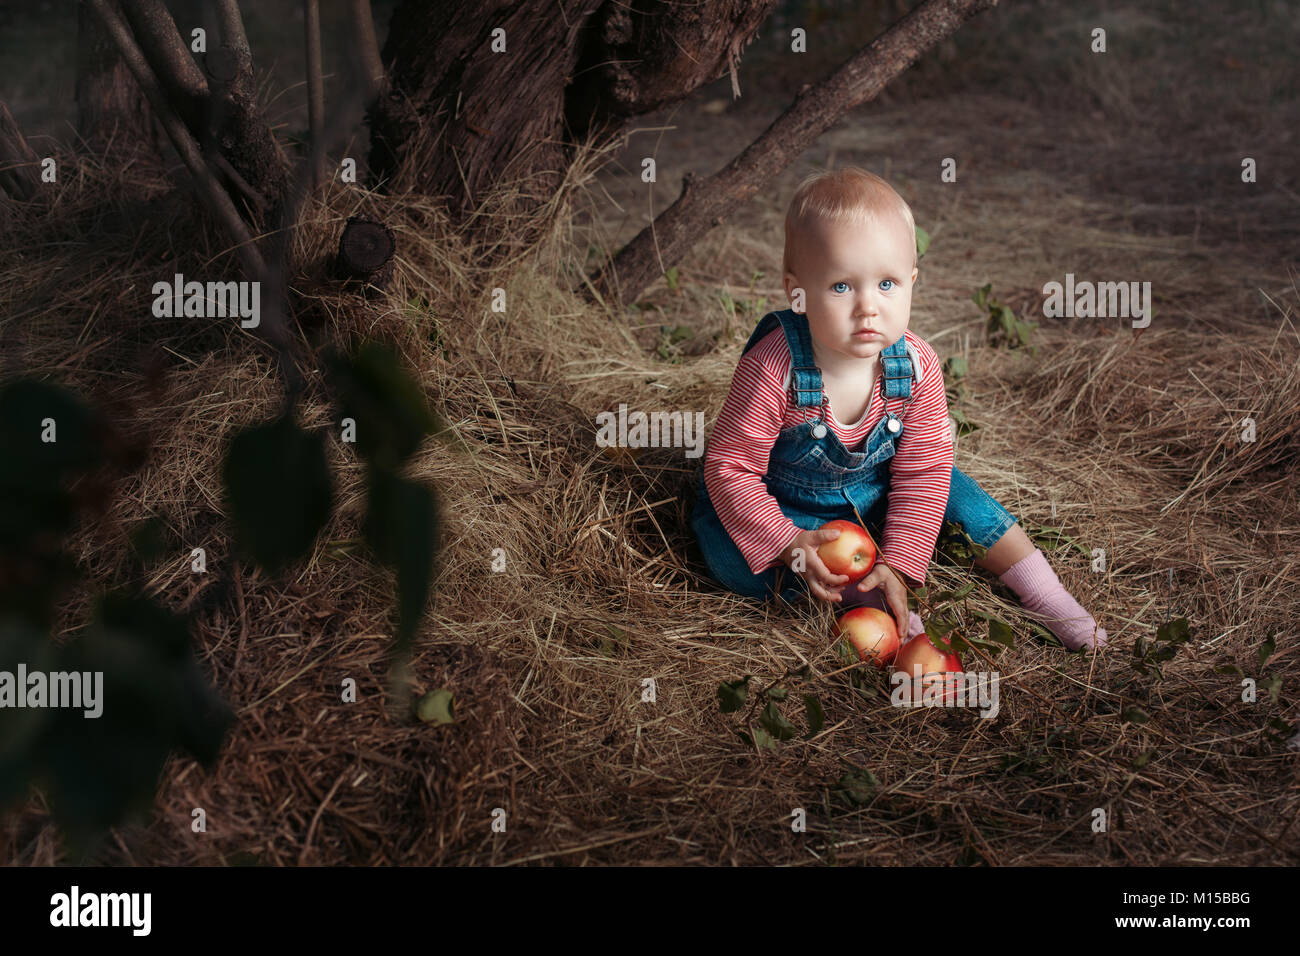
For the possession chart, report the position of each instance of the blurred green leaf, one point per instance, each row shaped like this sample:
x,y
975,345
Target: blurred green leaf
x,y
777,693
964,590
279,490
37,508
1266,651
1134,715
1273,685
922,242
858,786
21,728
402,526
388,405
103,771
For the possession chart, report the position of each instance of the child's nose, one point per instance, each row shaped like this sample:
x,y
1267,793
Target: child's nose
x,y
867,304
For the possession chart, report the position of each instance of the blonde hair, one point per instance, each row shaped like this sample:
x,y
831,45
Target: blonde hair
x,y
849,195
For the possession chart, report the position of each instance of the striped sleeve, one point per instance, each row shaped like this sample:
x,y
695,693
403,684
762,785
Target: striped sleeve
x,y
920,473
740,449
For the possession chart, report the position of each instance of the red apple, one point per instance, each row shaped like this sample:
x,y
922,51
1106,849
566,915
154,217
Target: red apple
x,y
870,632
852,553
919,654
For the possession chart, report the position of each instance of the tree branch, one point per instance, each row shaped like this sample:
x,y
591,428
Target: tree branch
x,y
111,111
213,196
315,89
232,29
372,66
18,176
234,119
169,57
665,241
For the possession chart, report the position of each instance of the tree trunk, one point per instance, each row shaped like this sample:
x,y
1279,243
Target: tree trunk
x,y
234,118
19,165
702,204
169,58
365,253
460,117
111,110
217,104
210,193
367,50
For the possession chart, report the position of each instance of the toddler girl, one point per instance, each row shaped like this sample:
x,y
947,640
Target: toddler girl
x,y
835,404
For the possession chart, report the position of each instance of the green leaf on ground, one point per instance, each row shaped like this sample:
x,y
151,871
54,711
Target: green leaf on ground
x,y
816,715
775,723
437,707
732,694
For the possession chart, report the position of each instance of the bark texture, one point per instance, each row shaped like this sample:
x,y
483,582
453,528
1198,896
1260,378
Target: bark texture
x,y
703,203
111,110
460,116
19,166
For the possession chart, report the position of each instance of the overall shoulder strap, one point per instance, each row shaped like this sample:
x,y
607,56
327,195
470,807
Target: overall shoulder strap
x,y
901,365
805,376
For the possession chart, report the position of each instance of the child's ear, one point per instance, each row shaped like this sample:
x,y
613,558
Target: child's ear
x,y
915,272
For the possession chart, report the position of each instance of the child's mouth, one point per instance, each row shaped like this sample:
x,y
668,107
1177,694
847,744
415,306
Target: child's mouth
x,y
865,334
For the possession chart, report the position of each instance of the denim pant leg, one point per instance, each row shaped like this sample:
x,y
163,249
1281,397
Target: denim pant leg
x,y
728,566
980,515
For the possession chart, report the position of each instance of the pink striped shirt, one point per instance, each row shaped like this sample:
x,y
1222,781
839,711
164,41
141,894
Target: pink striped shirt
x,y
758,406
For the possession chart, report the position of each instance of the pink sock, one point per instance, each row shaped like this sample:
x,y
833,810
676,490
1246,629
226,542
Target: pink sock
x,y
1043,594
876,598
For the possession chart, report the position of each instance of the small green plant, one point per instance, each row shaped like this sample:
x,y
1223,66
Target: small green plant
x,y
1277,730
668,338
750,311
773,725
1148,655
950,619
954,374
857,787
1051,538
1004,328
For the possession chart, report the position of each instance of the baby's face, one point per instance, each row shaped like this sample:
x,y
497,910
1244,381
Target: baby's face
x,y
856,278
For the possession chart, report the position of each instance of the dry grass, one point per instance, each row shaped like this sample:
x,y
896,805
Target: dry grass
x,y
1135,439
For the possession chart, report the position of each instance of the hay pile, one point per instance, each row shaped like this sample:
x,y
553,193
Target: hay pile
x,y
1134,439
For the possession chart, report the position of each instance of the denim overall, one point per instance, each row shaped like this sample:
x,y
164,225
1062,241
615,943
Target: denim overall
x,y
815,479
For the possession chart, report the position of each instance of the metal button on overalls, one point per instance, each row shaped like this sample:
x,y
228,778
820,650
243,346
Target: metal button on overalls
x,y
812,489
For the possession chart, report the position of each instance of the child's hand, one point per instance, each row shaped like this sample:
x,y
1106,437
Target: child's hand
x,y
887,579
820,580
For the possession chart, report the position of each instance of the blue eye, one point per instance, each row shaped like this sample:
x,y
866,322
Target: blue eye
x,y
845,284
882,284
